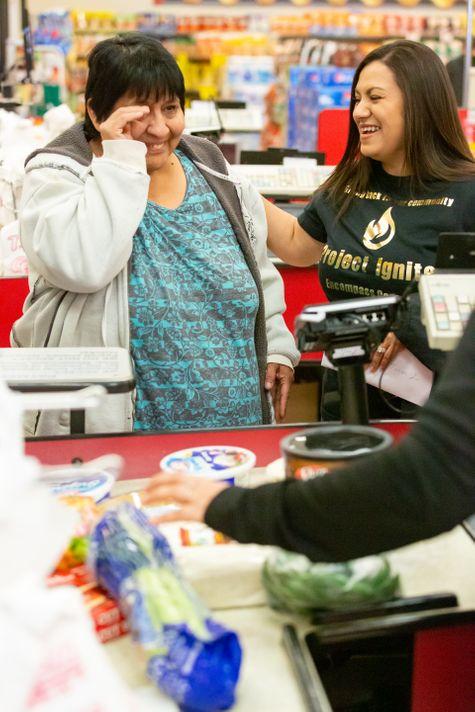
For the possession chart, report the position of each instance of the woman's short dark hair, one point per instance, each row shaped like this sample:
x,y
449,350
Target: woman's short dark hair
x,y
130,63
435,145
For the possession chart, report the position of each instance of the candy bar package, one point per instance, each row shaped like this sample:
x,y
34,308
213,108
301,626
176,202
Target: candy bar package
x,y
108,619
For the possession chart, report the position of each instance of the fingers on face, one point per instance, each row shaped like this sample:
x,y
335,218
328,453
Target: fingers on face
x,y
135,110
125,115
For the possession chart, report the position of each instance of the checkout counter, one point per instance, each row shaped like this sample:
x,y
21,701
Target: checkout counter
x,y
433,649
268,682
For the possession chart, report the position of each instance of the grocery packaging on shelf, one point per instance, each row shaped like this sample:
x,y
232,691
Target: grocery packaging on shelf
x,y
239,55
248,79
311,90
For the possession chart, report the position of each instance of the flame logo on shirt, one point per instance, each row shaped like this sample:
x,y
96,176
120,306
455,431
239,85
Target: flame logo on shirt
x,y
379,232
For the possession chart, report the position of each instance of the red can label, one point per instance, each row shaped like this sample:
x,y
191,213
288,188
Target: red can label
x,y
308,472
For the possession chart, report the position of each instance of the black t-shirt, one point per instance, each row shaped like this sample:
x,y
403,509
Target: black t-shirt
x,y
388,237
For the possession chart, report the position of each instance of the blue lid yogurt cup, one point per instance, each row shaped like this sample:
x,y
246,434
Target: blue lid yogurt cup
x,y
226,463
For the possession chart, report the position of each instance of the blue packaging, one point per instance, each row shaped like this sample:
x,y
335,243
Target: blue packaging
x,y
192,657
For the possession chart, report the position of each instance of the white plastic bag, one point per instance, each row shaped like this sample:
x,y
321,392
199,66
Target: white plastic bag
x,y
50,659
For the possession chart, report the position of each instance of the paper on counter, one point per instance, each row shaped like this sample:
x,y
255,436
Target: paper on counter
x,y
406,377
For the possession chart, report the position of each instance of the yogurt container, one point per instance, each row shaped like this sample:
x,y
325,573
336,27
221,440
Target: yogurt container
x,y
226,463
316,451
93,479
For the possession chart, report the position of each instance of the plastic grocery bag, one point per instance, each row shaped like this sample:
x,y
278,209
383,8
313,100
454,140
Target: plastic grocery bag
x,y
192,658
50,658
294,583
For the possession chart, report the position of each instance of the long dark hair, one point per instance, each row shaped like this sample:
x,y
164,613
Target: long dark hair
x,y
436,148
131,62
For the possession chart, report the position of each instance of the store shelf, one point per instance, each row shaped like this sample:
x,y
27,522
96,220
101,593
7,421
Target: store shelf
x,y
275,35
114,31
361,38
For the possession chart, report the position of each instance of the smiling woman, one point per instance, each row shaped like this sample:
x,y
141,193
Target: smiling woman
x,y
407,174
136,236
379,116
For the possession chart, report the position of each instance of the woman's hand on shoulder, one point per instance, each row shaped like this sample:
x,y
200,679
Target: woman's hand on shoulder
x,y
118,124
385,352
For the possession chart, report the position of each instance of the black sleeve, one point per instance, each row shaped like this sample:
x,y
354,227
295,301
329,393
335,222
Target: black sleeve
x,y
422,487
310,220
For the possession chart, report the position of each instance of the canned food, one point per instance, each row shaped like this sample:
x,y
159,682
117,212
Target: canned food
x,y
316,451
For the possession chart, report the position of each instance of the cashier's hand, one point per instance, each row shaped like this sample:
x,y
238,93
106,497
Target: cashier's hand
x,y
192,494
385,352
279,378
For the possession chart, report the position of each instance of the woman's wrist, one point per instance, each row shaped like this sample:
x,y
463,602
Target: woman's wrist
x,y
132,153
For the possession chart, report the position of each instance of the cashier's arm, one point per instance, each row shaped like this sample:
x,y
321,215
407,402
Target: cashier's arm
x,y
288,241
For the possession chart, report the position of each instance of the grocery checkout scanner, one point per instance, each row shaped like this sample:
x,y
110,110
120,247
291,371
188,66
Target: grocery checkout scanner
x,y
348,331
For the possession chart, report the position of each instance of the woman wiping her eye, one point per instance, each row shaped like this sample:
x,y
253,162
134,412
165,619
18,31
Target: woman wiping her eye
x,y
136,236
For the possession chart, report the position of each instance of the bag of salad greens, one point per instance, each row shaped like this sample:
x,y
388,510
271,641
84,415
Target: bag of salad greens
x,y
294,583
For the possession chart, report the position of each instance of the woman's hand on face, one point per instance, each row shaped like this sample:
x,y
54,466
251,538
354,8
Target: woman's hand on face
x,y
192,494
385,352
118,124
279,378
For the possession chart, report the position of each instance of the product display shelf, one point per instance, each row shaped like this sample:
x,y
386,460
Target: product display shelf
x,y
204,37
364,38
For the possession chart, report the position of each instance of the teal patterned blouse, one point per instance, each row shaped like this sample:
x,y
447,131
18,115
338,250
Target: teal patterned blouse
x,y
193,305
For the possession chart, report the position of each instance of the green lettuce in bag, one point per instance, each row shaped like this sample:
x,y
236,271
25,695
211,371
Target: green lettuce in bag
x,y
294,583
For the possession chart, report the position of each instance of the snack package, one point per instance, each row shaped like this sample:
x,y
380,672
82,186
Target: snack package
x,y
76,553
109,621
294,583
192,658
